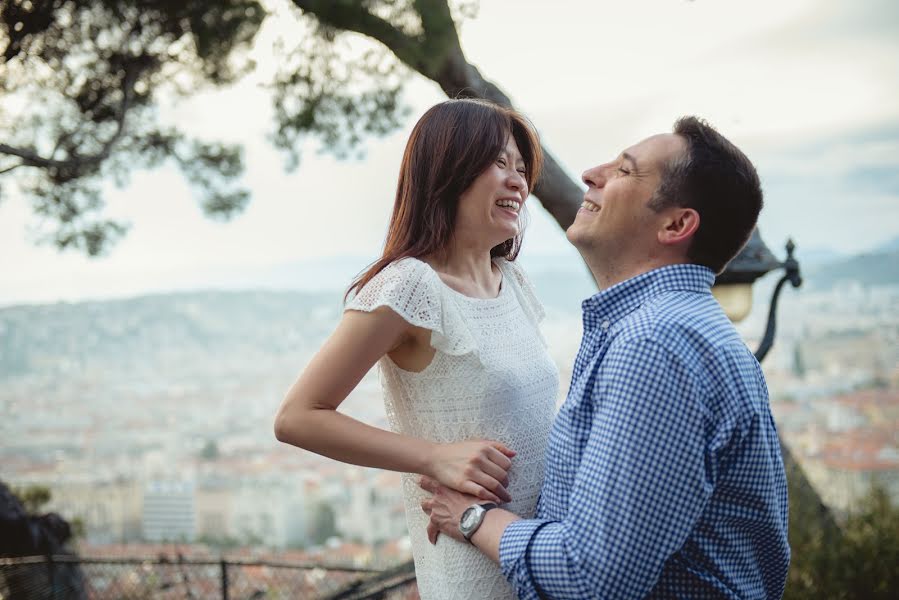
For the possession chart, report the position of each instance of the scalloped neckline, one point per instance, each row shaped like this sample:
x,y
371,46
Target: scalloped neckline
x,y
499,296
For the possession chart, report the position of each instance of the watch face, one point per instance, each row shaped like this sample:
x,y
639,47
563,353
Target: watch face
x,y
469,517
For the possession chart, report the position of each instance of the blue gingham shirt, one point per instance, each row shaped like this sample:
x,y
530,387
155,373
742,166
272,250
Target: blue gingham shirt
x,y
664,477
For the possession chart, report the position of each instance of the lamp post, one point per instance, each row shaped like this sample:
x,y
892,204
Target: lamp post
x,y
733,287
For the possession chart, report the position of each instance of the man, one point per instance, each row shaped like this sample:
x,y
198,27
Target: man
x,y
664,477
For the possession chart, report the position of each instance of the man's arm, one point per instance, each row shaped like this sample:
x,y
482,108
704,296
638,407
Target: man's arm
x,y
638,492
640,488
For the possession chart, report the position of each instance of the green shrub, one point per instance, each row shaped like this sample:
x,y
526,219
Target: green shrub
x,y
862,563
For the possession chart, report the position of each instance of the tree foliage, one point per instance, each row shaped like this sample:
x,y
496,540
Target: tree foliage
x,y
81,81
862,564
34,498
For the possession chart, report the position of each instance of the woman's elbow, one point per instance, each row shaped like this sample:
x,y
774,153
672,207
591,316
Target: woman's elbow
x,y
287,428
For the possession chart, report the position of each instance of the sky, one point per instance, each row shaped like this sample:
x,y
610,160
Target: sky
x,y
807,88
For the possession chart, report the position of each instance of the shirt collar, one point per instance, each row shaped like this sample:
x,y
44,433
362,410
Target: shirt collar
x,y
622,298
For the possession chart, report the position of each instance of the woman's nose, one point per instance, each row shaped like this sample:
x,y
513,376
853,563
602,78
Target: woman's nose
x,y
516,181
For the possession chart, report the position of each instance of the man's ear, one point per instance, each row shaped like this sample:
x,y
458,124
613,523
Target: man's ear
x,y
679,227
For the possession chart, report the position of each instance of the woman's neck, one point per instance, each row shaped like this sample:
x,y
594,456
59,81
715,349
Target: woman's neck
x,y
468,266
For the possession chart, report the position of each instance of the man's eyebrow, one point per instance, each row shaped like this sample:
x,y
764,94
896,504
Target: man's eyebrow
x,y
631,158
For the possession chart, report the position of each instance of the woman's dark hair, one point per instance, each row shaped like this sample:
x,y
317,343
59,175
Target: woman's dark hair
x,y
720,183
452,143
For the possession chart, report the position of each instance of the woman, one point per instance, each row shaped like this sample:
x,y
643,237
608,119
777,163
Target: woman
x,y
453,324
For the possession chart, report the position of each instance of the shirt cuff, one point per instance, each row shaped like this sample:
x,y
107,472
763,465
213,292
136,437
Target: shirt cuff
x,y
514,543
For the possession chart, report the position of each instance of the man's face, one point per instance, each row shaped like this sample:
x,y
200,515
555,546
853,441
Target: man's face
x,y
615,220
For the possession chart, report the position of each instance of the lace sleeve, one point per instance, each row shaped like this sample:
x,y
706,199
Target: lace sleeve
x,y
411,289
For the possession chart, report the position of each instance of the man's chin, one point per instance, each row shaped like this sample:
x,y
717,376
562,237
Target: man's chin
x,y
574,235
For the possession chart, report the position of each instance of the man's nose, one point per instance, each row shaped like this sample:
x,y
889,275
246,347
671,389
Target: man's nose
x,y
594,177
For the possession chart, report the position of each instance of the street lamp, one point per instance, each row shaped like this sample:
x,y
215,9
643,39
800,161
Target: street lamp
x,y
733,287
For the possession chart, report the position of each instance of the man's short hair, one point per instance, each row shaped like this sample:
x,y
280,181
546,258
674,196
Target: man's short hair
x,y
719,182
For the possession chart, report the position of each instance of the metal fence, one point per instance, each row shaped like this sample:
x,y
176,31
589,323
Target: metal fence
x,y
81,578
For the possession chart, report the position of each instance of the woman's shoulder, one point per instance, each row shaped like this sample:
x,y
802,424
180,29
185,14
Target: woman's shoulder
x,y
404,285
527,295
412,289
398,271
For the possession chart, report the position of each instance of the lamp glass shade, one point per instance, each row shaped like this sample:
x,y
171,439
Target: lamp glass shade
x,y
735,299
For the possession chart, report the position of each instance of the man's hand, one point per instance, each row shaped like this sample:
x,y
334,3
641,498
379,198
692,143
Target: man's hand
x,y
445,508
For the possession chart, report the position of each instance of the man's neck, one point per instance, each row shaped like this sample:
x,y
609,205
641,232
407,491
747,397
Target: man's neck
x,y
611,271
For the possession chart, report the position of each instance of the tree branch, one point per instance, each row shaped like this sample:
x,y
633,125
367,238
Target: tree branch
x,y
441,39
351,16
31,158
8,169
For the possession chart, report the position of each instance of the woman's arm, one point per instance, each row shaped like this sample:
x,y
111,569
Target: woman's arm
x,y
308,417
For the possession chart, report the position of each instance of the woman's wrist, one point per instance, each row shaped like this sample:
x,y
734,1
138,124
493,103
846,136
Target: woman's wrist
x,y
427,453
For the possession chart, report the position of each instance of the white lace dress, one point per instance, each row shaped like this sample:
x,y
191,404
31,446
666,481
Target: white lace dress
x,y
491,378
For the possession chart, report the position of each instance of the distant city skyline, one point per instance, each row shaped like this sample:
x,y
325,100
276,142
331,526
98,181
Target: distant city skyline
x,y
807,90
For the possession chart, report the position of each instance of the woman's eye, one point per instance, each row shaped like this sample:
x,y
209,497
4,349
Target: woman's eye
x,y
501,162
523,171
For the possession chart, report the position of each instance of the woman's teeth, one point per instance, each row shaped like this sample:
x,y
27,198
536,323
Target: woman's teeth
x,y
587,205
509,204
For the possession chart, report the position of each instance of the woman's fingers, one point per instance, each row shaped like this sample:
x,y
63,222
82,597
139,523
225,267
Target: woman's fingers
x,y
490,486
504,449
475,467
498,458
473,489
494,471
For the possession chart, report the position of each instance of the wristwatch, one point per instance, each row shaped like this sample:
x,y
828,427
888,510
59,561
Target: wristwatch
x,y
473,517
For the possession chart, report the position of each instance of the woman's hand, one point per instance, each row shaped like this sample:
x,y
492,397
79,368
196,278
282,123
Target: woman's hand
x,y
476,467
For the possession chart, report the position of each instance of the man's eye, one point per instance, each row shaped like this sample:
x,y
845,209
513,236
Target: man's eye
x,y
623,171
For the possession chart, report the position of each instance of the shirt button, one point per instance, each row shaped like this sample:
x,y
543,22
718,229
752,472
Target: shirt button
x,y
605,324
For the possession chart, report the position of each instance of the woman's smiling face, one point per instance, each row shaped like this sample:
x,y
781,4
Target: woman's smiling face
x,y
489,209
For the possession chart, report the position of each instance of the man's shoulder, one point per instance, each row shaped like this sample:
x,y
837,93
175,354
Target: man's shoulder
x,y
689,325
674,314
697,336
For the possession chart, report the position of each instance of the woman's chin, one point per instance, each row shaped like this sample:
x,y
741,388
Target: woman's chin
x,y
507,234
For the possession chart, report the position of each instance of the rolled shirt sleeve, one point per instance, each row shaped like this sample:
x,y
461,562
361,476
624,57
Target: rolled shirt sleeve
x,y
640,488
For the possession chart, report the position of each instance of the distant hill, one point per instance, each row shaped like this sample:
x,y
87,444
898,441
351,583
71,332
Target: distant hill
x,y
216,331
890,246
174,333
881,268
